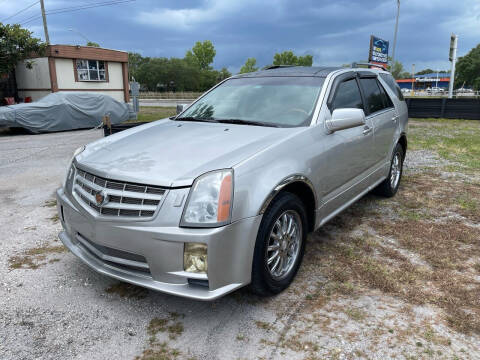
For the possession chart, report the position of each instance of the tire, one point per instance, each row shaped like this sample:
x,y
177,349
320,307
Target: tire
x,y
266,278
389,187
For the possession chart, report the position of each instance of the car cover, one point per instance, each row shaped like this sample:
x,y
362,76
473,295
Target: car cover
x,y
65,111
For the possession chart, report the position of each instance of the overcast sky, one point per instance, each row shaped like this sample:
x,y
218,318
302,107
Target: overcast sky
x,y
333,31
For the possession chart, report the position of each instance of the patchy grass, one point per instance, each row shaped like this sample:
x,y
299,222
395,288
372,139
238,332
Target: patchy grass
x,y
455,140
240,337
263,325
415,258
35,257
160,350
54,218
50,203
125,290
356,314
152,113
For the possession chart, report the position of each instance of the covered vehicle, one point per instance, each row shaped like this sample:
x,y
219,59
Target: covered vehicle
x,y
65,111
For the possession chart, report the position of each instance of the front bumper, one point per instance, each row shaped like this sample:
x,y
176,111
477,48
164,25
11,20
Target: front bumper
x,y
150,254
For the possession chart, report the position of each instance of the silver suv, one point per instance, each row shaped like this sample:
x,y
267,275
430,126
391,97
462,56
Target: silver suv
x,y
224,194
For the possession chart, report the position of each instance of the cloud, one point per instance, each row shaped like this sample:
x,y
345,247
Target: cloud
x,y
189,18
334,32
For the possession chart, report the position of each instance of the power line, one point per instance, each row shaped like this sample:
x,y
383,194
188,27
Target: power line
x,y
87,6
19,12
72,9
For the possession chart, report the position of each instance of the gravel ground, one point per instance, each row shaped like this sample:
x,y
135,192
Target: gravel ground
x,y
58,308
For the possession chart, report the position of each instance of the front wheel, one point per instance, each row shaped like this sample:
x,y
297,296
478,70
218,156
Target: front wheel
x,y
389,186
280,245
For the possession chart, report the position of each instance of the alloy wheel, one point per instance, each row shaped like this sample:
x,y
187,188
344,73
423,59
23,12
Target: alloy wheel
x,y
395,170
284,244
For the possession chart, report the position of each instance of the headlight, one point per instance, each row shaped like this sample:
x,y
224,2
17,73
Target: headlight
x,y
210,200
70,169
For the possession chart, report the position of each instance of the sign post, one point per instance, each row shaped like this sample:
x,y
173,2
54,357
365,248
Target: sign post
x,y
135,90
453,58
413,80
378,53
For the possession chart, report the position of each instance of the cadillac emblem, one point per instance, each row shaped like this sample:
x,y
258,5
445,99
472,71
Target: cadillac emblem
x,y
101,197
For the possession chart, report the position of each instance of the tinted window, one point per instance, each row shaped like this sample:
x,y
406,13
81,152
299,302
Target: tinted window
x,y
392,84
347,96
373,96
386,98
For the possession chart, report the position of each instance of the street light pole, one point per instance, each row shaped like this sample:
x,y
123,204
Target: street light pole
x,y
453,59
395,35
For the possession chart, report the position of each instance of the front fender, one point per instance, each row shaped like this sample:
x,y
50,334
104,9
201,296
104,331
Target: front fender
x,y
261,177
285,182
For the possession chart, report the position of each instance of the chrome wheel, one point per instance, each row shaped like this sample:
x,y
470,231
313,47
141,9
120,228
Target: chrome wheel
x,y
284,244
395,170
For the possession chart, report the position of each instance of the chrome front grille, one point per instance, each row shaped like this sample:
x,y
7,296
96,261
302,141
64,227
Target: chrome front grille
x,y
122,199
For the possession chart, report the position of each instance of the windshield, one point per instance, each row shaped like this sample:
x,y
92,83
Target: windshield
x,y
275,101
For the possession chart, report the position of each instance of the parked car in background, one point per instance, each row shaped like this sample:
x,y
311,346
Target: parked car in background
x,y
65,111
224,194
435,90
463,90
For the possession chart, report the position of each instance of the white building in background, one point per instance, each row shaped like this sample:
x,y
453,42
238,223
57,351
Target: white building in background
x,y
75,68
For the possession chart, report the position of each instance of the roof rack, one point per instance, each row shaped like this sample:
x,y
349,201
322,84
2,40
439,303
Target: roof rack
x,y
383,67
269,67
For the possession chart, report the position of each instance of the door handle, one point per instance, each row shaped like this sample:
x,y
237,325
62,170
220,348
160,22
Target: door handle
x,y
395,118
367,130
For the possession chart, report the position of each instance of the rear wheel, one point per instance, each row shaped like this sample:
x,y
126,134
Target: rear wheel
x,y
280,245
389,186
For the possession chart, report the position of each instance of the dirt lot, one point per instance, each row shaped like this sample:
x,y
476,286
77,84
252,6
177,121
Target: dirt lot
x,y
396,278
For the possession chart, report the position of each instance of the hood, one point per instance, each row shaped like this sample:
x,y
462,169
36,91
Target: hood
x,y
173,153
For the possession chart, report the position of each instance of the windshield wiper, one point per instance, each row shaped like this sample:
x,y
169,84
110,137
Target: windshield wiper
x,y
245,122
191,118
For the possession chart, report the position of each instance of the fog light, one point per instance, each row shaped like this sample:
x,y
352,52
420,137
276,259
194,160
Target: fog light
x,y
195,258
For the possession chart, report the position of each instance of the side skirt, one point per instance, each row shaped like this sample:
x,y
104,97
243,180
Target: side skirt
x,y
348,203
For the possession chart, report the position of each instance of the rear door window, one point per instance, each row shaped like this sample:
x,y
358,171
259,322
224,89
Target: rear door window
x,y
347,96
374,97
386,98
392,84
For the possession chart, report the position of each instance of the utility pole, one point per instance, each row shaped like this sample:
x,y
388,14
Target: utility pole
x,y
453,59
395,35
42,6
413,78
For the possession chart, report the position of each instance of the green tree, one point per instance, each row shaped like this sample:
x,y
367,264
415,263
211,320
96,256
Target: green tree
x,y
201,55
223,74
289,58
468,69
430,71
250,66
94,44
17,44
396,69
306,60
134,62
425,71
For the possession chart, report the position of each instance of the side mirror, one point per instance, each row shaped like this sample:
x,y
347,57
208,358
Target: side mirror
x,y
180,108
345,119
